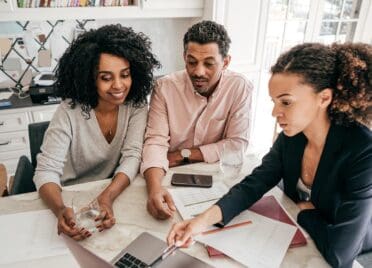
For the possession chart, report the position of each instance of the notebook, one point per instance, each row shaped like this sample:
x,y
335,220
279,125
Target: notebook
x,y
269,207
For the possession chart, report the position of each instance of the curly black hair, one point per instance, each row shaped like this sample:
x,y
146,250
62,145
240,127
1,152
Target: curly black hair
x,y
344,68
208,32
78,66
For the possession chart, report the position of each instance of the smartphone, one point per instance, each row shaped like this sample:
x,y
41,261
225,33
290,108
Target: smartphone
x,y
192,180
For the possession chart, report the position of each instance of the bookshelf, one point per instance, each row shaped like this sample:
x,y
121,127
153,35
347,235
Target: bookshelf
x,y
24,10
73,3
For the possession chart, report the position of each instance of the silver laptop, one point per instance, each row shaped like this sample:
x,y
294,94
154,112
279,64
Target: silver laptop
x,y
145,251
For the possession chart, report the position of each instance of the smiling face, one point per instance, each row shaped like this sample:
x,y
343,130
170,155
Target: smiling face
x,y
204,65
113,80
297,106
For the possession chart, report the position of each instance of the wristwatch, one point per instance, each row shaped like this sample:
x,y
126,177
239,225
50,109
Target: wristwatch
x,y
186,154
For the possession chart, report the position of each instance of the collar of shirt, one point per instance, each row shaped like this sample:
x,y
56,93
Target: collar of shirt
x,y
216,91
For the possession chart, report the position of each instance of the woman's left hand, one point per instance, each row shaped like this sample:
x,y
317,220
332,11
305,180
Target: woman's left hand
x,y
107,215
305,205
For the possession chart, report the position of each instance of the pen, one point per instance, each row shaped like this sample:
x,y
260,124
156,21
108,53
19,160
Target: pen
x,y
166,252
226,227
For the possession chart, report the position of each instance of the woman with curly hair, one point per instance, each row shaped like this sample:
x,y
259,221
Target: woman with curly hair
x,y
97,131
322,100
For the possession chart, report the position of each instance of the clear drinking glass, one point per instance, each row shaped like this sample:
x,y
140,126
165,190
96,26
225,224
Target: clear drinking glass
x,y
86,212
231,160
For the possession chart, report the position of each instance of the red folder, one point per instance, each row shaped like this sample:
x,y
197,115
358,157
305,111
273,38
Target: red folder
x,y
268,206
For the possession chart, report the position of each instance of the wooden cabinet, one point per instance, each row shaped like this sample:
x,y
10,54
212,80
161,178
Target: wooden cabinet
x,y
13,121
9,11
14,140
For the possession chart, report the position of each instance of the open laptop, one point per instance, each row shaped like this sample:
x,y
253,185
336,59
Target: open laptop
x,y
145,251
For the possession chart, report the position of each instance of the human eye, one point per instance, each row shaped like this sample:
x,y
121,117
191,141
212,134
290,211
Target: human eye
x,y
191,62
209,64
285,102
105,77
125,74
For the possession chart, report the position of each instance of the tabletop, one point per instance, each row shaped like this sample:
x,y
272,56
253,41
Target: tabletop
x,y
132,218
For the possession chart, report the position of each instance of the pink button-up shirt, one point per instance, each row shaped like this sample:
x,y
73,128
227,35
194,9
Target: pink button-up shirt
x,y
180,117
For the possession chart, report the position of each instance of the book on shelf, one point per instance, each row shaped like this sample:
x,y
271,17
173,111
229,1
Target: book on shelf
x,y
73,3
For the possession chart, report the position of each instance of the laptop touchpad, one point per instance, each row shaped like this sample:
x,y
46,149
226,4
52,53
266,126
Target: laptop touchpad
x,y
147,248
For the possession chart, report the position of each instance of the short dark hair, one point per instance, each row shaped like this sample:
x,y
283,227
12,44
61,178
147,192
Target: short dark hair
x,y
344,68
208,32
78,66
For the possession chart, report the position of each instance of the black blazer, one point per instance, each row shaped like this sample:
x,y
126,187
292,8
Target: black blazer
x,y
341,223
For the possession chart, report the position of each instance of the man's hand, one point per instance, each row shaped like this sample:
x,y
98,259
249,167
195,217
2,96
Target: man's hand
x,y
305,205
160,203
67,225
175,159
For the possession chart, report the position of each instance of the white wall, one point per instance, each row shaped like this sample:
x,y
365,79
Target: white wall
x,y
247,26
166,36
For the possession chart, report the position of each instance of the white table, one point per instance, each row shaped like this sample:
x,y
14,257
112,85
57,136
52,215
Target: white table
x,y
132,218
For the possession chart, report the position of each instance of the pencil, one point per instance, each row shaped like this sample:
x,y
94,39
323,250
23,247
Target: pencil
x,y
227,227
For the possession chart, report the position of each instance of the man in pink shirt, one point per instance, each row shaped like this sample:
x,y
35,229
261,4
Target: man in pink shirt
x,y
194,112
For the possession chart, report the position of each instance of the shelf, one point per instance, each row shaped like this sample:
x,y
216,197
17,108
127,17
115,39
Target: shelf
x,y
192,9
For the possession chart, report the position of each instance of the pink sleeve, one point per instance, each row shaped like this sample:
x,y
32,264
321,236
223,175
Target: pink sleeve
x,y
156,143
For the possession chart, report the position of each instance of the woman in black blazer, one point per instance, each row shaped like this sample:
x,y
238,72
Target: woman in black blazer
x,y
322,100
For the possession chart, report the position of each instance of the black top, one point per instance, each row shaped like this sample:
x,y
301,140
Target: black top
x,y
341,223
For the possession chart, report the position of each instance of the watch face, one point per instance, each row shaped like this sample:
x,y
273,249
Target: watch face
x,y
185,153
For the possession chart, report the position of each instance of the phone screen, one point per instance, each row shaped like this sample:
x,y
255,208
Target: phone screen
x,y
47,77
192,180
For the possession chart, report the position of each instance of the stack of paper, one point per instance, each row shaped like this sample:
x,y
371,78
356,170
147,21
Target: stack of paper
x,y
190,202
262,243
269,207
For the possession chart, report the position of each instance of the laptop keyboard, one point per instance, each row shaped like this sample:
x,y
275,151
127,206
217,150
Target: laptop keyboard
x,y
129,261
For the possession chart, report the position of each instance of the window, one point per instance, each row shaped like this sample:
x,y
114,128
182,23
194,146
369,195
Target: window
x,y
291,22
286,27
339,20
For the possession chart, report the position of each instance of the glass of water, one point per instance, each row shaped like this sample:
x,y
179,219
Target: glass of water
x,y
86,212
231,160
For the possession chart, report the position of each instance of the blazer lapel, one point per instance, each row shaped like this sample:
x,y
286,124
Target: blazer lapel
x,y
294,157
332,146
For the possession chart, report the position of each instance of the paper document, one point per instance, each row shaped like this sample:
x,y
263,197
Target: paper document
x,y
5,95
190,202
261,243
29,235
